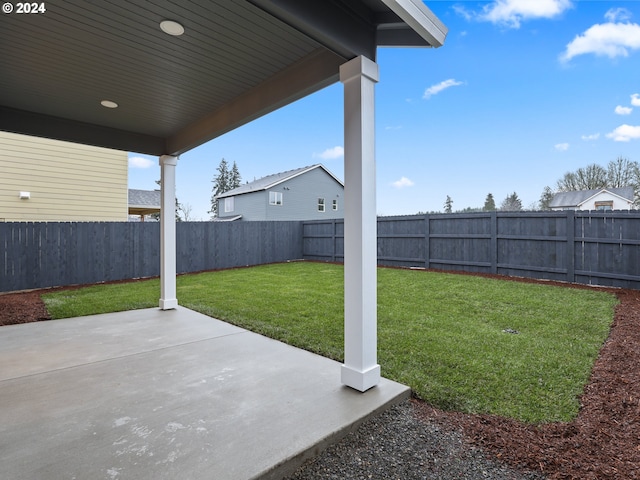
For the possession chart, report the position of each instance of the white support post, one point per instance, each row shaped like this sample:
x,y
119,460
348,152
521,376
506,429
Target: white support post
x,y
360,369
168,298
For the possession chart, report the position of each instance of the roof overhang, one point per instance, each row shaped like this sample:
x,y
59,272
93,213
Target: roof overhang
x,y
142,210
236,61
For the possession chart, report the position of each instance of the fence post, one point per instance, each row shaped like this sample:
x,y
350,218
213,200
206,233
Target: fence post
x,y
427,247
333,240
493,226
571,246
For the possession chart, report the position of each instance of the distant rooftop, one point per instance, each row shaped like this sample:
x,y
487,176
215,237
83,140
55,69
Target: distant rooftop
x,y
578,197
144,202
270,181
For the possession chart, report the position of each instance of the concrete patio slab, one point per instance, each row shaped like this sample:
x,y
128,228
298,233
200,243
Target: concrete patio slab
x,y
154,394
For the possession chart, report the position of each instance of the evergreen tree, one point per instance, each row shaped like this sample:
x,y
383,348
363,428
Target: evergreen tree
x,y
234,177
511,204
545,199
221,184
489,203
448,205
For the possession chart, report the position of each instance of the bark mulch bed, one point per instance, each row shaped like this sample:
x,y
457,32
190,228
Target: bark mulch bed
x,y
603,442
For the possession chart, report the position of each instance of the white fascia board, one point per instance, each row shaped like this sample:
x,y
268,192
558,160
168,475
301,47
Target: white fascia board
x,y
302,172
416,14
289,177
604,190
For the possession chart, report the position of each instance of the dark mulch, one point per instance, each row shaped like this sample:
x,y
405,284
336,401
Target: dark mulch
x,y
603,442
22,308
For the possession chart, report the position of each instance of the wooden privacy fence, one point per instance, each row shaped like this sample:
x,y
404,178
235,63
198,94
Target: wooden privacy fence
x,y
584,247
47,254
599,248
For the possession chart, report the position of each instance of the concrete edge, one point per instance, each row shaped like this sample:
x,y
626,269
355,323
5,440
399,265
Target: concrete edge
x,y
289,465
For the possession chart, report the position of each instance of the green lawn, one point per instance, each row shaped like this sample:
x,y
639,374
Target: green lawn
x,y
441,334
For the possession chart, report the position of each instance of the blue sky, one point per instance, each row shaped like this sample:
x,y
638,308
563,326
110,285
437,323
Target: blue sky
x,y
521,92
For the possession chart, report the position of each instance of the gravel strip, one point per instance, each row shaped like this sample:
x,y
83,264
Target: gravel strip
x,y
398,445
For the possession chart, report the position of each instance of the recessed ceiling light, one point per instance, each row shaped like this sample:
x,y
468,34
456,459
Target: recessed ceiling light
x,y
172,28
109,104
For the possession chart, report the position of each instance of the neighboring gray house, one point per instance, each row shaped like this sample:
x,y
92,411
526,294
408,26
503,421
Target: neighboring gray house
x,y
598,199
143,202
308,193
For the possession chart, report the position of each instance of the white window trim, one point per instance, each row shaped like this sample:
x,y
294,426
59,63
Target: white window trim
x,y
334,205
321,204
273,198
229,204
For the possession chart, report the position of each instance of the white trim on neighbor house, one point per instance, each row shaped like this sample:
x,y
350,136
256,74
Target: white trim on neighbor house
x,y
605,195
276,198
281,178
308,169
618,199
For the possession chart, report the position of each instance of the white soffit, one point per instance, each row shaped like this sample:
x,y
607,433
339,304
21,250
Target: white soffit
x,y
422,20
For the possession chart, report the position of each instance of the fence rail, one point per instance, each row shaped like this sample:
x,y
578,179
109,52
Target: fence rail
x,y
585,247
600,248
47,254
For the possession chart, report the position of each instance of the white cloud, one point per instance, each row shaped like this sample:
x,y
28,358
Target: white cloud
x,y
617,15
561,147
588,138
393,127
635,99
140,162
606,39
512,12
463,12
624,133
437,88
620,110
330,153
403,182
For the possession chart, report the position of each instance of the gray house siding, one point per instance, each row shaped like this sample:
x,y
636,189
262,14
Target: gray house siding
x,y
299,199
251,206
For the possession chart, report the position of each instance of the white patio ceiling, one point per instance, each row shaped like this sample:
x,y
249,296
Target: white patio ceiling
x,y
237,60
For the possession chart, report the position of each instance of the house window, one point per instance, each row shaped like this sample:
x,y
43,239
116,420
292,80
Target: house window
x,y
335,205
275,198
604,206
229,204
321,204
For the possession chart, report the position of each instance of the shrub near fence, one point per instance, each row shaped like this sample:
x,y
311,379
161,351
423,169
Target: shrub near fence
x,y
599,248
47,254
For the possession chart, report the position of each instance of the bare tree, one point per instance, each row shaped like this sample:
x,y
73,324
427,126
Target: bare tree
x,y
588,178
185,212
620,172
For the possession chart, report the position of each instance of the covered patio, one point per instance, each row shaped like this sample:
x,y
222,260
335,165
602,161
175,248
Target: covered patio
x,y
175,394
161,78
